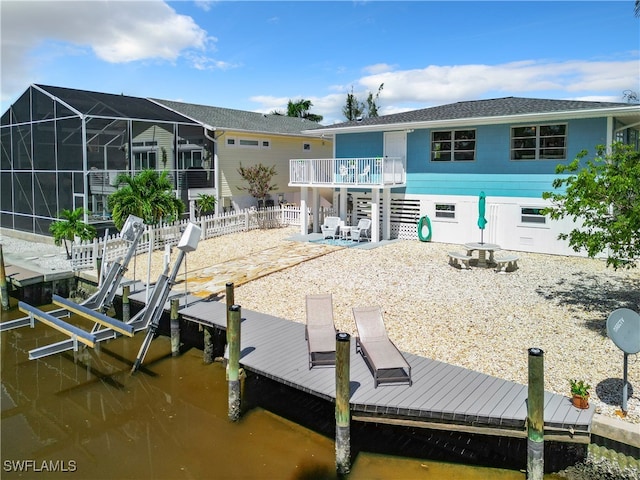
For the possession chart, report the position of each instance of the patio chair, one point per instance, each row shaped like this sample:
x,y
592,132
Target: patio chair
x,y
331,227
383,358
361,231
320,332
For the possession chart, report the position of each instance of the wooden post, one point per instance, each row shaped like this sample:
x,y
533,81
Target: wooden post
x,y
126,307
233,367
175,328
343,393
229,297
4,292
535,415
207,356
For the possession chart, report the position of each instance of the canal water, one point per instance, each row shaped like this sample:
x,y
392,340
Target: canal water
x,y
84,416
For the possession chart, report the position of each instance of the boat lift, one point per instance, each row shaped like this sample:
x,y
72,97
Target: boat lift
x,y
100,301
107,328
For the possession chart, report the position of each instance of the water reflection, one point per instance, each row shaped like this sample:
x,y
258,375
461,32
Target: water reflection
x,y
85,414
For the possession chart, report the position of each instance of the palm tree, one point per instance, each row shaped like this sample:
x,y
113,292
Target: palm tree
x,y
69,227
300,108
148,195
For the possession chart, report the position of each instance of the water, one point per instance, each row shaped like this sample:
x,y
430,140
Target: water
x,y
89,416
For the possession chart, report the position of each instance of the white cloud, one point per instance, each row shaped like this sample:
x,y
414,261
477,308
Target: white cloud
x,y
378,68
413,89
117,32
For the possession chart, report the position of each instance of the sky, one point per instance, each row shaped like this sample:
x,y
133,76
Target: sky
x,y
257,56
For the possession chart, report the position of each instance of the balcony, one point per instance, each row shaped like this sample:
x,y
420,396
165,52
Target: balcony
x,y
374,172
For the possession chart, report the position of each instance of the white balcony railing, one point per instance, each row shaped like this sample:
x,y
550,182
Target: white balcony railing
x,y
348,172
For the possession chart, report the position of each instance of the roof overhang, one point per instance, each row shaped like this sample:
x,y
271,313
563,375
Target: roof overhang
x,y
631,116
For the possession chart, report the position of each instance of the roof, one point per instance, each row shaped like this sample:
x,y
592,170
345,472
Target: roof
x,y
112,105
488,110
229,119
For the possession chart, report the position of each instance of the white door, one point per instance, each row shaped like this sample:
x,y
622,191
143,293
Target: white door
x,y
395,145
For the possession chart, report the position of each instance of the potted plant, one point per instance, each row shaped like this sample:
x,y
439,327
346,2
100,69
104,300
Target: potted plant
x,y
580,393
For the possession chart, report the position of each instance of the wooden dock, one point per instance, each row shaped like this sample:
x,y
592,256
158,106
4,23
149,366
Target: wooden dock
x,y
442,396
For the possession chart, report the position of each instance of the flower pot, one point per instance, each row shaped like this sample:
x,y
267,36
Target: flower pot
x,y
580,402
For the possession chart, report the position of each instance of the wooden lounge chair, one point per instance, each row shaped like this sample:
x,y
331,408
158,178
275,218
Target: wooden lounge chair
x,y
382,356
320,331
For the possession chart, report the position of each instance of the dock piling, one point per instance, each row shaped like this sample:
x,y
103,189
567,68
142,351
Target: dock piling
x,y
343,393
126,307
175,328
4,292
535,415
233,367
207,353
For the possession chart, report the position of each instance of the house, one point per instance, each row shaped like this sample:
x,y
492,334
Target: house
x,y
249,138
62,148
436,161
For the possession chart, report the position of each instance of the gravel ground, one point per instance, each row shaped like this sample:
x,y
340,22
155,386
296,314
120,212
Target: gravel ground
x,y
478,319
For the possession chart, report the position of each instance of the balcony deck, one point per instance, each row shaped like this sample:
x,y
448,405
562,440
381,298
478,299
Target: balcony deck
x,y
371,172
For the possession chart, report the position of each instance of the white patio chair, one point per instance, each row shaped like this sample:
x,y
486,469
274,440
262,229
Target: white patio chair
x,y
361,230
364,176
331,227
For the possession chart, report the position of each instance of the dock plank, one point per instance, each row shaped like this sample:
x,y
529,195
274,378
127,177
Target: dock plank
x,y
444,393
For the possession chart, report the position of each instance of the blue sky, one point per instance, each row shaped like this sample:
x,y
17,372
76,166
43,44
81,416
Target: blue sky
x,y
258,55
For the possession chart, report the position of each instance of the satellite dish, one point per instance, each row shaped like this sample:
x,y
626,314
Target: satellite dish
x,y
623,327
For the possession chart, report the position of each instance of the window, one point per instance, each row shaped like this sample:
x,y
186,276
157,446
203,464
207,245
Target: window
x,y
445,210
248,143
539,142
306,147
453,145
532,215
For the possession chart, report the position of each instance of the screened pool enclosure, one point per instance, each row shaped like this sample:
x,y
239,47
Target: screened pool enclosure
x,y
63,148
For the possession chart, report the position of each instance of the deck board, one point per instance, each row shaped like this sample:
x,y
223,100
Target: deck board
x,y
444,393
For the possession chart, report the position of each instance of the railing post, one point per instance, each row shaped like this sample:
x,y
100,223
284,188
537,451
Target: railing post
x,y
343,414
175,328
535,415
233,367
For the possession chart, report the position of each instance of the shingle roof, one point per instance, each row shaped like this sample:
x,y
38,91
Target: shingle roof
x,y
114,106
226,118
497,107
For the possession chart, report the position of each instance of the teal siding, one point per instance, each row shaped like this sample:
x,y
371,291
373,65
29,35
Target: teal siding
x,y
350,145
492,171
493,185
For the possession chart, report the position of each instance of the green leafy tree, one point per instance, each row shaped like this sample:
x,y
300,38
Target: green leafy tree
x,y
603,196
259,177
70,226
355,108
205,204
300,109
148,195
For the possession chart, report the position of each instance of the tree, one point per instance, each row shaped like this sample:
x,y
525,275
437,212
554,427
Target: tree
x,y
70,226
148,195
355,108
372,105
603,194
300,109
204,204
259,179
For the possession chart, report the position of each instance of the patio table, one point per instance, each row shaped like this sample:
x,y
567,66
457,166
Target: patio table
x,y
482,249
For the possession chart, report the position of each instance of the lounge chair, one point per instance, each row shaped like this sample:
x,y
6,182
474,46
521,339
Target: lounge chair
x,y
320,331
361,230
382,356
331,227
